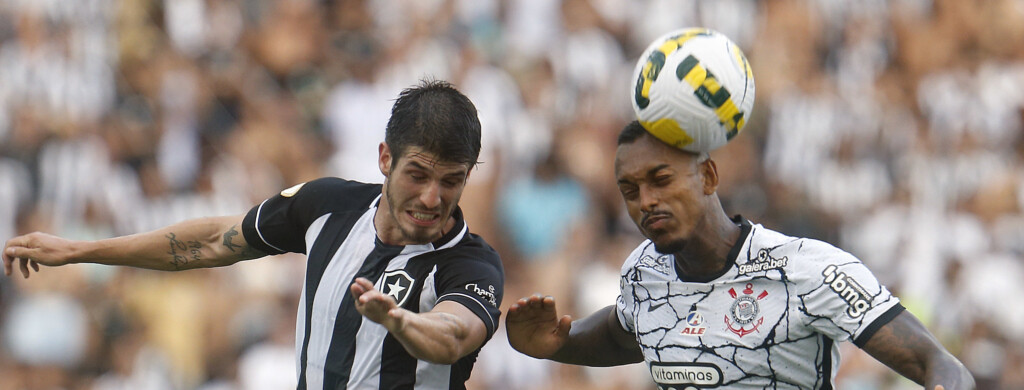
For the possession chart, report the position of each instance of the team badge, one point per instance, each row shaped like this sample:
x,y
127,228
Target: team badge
x,y
694,322
744,311
397,284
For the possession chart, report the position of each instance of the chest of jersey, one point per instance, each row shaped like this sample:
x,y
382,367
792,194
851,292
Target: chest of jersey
x,y
736,330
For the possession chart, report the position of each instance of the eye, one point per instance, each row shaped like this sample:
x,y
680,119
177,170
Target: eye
x,y
662,180
628,192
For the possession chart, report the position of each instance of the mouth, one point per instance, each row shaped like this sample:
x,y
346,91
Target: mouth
x,y
423,218
654,221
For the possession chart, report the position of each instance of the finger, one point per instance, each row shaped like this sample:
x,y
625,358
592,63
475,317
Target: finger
x,y
396,313
548,303
939,387
8,261
564,324
23,264
534,301
365,283
374,295
356,290
34,265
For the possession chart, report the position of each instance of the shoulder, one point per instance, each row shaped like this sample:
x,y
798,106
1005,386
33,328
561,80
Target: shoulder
x,y
331,194
800,256
645,257
473,248
335,189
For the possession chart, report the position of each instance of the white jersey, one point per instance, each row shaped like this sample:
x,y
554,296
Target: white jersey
x,y
771,319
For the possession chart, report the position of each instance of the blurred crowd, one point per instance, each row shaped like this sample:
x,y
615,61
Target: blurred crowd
x,y
890,128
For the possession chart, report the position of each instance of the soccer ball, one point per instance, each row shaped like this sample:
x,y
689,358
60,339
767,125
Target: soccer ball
x,y
694,89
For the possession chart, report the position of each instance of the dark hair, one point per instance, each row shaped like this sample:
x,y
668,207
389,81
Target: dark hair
x,y
632,132
437,118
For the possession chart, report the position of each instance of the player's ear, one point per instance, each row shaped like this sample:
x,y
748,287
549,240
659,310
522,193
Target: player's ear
x,y
384,159
709,175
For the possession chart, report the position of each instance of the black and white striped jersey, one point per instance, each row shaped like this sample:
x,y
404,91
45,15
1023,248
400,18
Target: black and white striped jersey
x,y
331,221
771,319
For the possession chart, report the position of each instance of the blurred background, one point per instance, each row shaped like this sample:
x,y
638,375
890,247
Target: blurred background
x,y
889,128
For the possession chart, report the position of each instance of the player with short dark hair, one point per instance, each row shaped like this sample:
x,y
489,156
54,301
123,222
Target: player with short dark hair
x,y
710,301
398,293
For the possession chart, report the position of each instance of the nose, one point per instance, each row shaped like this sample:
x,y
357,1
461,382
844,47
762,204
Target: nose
x,y
648,199
431,195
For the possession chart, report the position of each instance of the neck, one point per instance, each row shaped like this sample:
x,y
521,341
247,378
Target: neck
x,y
707,254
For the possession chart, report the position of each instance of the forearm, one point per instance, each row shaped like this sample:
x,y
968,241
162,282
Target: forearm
x,y
906,346
949,372
593,341
434,337
199,243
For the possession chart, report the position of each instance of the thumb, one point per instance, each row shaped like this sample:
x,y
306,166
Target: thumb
x,y
397,315
564,324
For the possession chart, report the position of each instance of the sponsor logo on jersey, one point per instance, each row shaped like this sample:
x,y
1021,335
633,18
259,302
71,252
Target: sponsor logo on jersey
x,y
763,262
661,264
487,294
655,306
694,320
397,284
679,375
858,300
744,311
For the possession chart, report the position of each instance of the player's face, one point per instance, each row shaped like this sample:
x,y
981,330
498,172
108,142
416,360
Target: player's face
x,y
664,190
420,195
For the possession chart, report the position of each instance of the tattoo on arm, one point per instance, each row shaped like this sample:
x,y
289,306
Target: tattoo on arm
x,y
228,236
244,250
904,345
183,252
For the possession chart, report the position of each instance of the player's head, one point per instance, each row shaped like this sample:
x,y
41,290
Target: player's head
x,y
431,143
667,191
436,118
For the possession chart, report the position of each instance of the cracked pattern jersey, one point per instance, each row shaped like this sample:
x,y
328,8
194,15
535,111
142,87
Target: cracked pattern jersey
x,y
770,319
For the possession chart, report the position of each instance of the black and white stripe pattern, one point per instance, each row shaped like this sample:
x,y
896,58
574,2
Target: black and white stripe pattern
x,y
331,220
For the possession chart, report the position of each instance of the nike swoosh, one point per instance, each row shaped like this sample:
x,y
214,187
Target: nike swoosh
x,y
655,307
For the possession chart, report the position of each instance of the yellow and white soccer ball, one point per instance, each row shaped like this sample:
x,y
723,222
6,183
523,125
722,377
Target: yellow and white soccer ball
x,y
694,89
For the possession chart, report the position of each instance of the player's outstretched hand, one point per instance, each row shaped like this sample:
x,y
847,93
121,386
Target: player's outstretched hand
x,y
534,327
376,306
35,249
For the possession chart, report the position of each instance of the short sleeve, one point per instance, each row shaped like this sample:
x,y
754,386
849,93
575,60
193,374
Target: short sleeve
x,y
474,279
624,309
625,304
844,300
279,224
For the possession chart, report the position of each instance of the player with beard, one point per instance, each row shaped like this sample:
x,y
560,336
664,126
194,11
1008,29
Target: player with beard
x,y
710,301
397,294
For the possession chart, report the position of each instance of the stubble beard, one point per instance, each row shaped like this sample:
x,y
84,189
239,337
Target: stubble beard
x,y
669,248
415,236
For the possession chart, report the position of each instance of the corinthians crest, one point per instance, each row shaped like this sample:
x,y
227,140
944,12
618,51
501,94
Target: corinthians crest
x,y
744,311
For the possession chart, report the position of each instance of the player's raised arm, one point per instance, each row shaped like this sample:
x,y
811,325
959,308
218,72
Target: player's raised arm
x,y
535,329
198,243
906,346
444,335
